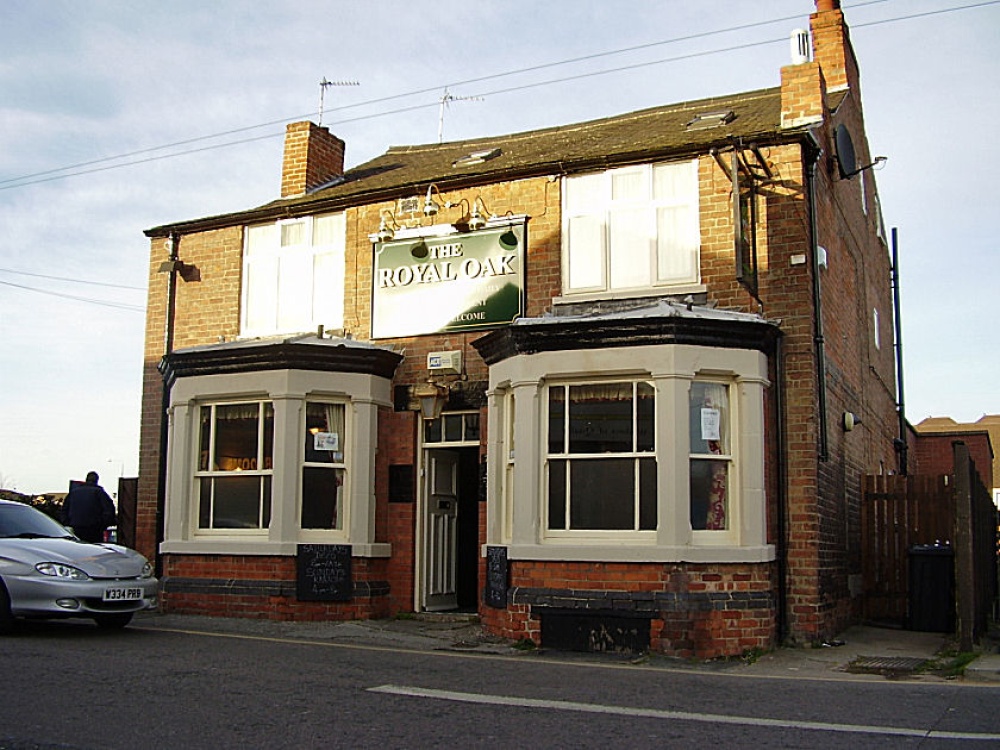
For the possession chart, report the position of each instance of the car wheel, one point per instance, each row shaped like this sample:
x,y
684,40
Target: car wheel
x,y
6,617
116,621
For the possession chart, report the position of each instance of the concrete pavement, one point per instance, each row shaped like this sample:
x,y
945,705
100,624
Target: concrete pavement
x,y
863,653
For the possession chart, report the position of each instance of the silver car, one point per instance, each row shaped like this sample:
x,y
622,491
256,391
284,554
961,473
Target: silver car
x,y
46,572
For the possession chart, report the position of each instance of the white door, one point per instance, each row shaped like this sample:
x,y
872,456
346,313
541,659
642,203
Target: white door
x,y
440,531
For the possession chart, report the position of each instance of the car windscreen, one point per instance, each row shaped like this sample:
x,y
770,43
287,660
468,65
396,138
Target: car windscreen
x,y
25,521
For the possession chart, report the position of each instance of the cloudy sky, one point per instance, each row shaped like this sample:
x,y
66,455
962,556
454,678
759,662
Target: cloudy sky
x,y
116,116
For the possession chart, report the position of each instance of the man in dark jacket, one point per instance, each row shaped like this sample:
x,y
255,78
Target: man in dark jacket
x,y
88,510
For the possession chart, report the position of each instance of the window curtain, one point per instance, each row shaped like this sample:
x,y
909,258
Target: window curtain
x,y
715,398
335,424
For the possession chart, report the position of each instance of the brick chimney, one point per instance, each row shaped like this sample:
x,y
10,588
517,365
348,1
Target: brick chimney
x,y
832,46
833,68
313,156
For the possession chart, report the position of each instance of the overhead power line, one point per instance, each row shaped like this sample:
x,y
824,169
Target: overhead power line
x,y
75,170
89,300
73,281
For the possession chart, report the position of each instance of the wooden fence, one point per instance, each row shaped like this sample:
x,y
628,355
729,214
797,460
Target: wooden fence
x,y
898,513
954,511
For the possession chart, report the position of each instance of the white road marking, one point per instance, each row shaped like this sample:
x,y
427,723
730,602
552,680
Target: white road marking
x,y
652,713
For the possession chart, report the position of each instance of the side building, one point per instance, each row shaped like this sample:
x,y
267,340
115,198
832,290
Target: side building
x,y
934,439
611,385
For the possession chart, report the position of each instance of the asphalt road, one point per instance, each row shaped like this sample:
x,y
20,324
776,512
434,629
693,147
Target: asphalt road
x,y
69,685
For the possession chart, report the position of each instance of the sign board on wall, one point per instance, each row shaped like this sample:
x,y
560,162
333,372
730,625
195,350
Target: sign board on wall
x,y
456,282
323,573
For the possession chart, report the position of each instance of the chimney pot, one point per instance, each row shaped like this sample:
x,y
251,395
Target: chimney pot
x,y
800,46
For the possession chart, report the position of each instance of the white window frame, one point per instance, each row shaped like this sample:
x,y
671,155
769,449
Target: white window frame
x,y
635,455
725,535
310,535
591,259
302,283
211,475
460,417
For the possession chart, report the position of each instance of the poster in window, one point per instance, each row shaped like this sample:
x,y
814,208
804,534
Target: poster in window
x,y
711,422
326,441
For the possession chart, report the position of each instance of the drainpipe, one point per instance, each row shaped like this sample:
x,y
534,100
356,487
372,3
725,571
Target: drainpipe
x,y
901,443
173,265
817,290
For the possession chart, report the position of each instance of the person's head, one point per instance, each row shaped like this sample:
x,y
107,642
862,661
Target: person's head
x,y
92,477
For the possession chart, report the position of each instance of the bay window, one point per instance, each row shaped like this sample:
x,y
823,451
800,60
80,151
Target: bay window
x,y
631,229
663,461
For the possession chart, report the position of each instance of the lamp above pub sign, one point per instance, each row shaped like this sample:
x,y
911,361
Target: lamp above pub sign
x,y
441,280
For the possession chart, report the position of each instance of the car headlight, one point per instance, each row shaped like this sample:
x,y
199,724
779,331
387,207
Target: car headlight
x,y
58,570
147,571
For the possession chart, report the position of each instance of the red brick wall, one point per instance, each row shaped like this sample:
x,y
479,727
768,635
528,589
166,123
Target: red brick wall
x,y
698,610
935,454
232,570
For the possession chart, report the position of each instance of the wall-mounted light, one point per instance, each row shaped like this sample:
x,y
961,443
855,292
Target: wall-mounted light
x,y
386,229
420,250
430,206
508,240
850,421
476,219
462,225
169,266
433,397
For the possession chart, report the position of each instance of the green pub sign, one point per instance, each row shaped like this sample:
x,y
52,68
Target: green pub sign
x,y
460,281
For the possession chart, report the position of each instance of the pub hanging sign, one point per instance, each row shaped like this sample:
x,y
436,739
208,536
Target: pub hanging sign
x,y
461,281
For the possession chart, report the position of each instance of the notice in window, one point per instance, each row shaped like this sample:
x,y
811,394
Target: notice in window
x,y
711,421
326,441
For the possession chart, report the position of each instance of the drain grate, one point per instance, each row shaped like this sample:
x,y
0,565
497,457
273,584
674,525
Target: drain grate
x,y
885,664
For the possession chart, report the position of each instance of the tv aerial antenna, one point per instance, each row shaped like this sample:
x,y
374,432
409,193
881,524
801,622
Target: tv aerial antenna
x,y
446,99
323,86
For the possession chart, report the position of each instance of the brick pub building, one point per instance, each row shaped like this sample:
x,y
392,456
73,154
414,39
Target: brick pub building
x,y
610,385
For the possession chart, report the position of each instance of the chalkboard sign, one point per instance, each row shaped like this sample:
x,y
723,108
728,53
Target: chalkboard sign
x,y
496,577
324,573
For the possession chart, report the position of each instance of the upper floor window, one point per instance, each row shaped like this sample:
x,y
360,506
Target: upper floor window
x,y
631,228
293,276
